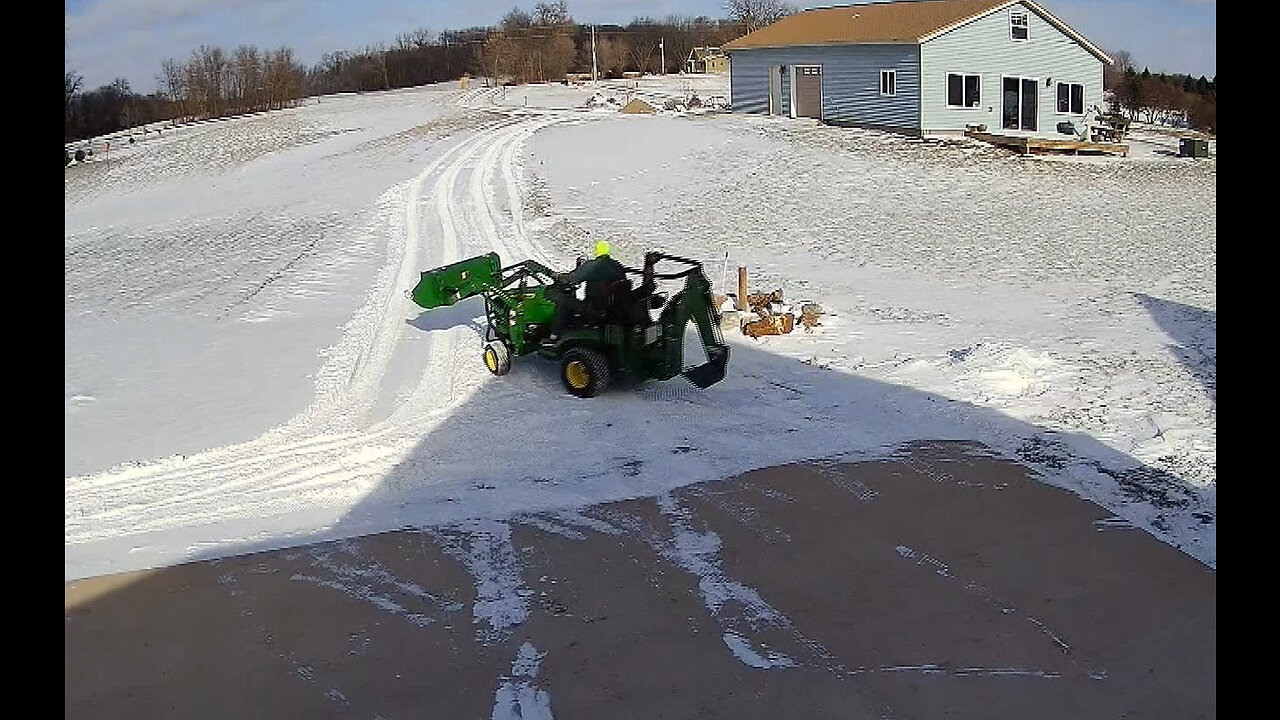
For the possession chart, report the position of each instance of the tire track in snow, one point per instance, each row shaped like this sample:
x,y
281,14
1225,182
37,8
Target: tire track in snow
x,y
323,458
329,398
444,348
264,462
480,196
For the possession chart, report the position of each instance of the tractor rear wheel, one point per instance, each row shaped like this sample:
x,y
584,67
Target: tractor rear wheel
x,y
585,372
497,358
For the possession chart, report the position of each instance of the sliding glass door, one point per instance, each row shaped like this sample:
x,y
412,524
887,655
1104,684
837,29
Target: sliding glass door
x,y
1019,109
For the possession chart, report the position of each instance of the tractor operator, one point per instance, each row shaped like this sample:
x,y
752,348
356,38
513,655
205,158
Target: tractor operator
x,y
598,273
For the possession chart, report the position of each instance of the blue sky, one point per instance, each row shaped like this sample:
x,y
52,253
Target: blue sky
x,y
130,38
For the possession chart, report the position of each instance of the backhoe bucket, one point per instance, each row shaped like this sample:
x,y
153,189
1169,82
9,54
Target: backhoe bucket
x,y
710,372
693,304
459,281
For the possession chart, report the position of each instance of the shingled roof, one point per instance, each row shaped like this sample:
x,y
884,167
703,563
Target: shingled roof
x,y
914,21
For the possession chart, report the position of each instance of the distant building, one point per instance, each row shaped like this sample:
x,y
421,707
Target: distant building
x,y
706,60
922,67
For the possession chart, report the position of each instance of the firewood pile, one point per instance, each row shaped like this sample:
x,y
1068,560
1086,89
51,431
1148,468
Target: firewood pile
x,y
773,316
809,313
764,313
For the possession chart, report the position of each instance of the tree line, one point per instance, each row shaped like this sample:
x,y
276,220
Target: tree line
x,y
1164,98
214,83
211,83
525,46
415,58
541,45
109,108
547,43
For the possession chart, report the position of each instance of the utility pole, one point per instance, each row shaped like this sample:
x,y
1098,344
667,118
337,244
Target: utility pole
x,y
663,49
595,77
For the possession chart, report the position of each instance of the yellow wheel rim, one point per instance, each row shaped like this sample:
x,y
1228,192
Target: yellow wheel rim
x,y
491,359
577,374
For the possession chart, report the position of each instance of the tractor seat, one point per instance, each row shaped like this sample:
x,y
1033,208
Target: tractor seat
x,y
625,305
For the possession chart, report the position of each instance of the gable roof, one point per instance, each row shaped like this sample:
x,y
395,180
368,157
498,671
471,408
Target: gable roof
x,y
904,22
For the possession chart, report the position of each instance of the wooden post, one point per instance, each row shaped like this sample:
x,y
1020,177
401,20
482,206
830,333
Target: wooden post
x,y
742,291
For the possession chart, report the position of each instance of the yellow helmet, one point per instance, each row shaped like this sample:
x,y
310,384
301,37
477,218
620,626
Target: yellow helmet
x,y
602,248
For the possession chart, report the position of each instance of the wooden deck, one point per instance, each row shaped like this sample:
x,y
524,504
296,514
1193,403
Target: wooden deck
x,y
1028,145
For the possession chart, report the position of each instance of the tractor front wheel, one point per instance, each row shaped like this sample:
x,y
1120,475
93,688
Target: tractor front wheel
x,y
497,358
585,372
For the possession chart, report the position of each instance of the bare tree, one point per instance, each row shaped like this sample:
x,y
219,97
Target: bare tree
x,y
552,15
247,71
170,85
528,47
611,57
680,41
73,83
377,54
552,41
642,42
496,56
1132,93
70,121
284,79
755,14
1168,104
423,38
1113,74
1122,60
206,76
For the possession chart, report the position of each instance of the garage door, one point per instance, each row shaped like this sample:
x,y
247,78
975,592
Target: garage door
x,y
809,91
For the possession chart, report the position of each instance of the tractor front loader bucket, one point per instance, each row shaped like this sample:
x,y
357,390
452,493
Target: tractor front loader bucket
x,y
459,281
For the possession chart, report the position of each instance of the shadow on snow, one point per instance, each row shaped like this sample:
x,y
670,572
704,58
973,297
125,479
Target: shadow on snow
x,y
1194,332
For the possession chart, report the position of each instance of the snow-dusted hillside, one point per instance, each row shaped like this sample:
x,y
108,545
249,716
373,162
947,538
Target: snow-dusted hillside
x,y
243,369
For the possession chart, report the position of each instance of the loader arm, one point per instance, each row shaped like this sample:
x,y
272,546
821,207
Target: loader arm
x,y
515,301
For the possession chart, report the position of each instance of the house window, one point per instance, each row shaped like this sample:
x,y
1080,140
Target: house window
x,y
1071,98
1018,25
888,82
964,90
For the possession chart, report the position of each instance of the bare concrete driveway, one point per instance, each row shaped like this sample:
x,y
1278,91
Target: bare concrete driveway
x,y
941,583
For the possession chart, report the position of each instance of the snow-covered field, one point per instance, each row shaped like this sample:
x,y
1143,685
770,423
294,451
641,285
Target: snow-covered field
x,y
244,371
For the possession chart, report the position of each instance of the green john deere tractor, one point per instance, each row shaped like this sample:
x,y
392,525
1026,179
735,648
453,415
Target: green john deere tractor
x,y
621,339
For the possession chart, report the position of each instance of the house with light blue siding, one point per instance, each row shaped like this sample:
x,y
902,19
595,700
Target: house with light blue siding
x,y
922,67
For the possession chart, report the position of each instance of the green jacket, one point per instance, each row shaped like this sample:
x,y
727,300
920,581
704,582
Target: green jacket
x,y
602,271
597,274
